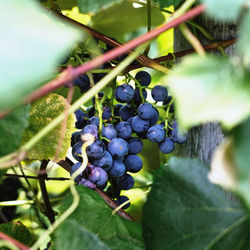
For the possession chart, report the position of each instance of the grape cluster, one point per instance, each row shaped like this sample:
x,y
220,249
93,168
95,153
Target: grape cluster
x,y
119,130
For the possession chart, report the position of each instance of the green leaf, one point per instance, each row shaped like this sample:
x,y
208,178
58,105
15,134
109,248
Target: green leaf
x,y
42,112
66,4
210,89
11,129
110,23
167,3
92,6
185,211
241,139
18,231
244,36
228,10
72,236
33,43
95,215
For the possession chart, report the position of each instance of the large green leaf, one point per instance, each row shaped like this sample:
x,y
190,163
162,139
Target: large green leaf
x,y
92,6
17,231
243,42
95,215
33,42
208,89
167,3
114,23
73,236
185,211
11,129
241,139
42,112
225,10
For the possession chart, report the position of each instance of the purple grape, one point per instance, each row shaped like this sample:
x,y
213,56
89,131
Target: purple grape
x,y
98,176
143,78
82,82
126,112
118,169
117,109
105,162
156,133
118,147
135,145
146,111
125,182
120,200
124,93
137,97
123,130
96,149
109,131
167,146
77,151
159,93
75,167
87,183
90,129
139,125
75,137
155,117
94,121
82,119
178,136
133,163
106,112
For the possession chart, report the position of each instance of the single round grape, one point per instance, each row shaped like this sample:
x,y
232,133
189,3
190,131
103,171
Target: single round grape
x,y
159,93
156,133
179,136
82,82
133,163
90,129
135,145
118,147
113,192
139,125
143,78
123,130
106,112
118,169
82,119
124,93
126,182
96,149
105,162
167,146
121,199
146,111
98,176
109,131
126,112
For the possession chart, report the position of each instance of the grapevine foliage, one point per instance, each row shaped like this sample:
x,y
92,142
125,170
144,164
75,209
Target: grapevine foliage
x,y
132,127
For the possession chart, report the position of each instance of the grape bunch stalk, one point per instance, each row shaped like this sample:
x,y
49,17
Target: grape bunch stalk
x,y
119,123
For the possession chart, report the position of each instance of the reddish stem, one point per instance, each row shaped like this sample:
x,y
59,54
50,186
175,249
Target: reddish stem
x,y
20,245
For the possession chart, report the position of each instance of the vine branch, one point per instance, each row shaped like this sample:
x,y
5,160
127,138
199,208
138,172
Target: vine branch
x,y
46,178
42,176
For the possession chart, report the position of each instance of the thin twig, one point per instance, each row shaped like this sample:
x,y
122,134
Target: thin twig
x,y
42,176
46,178
209,47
